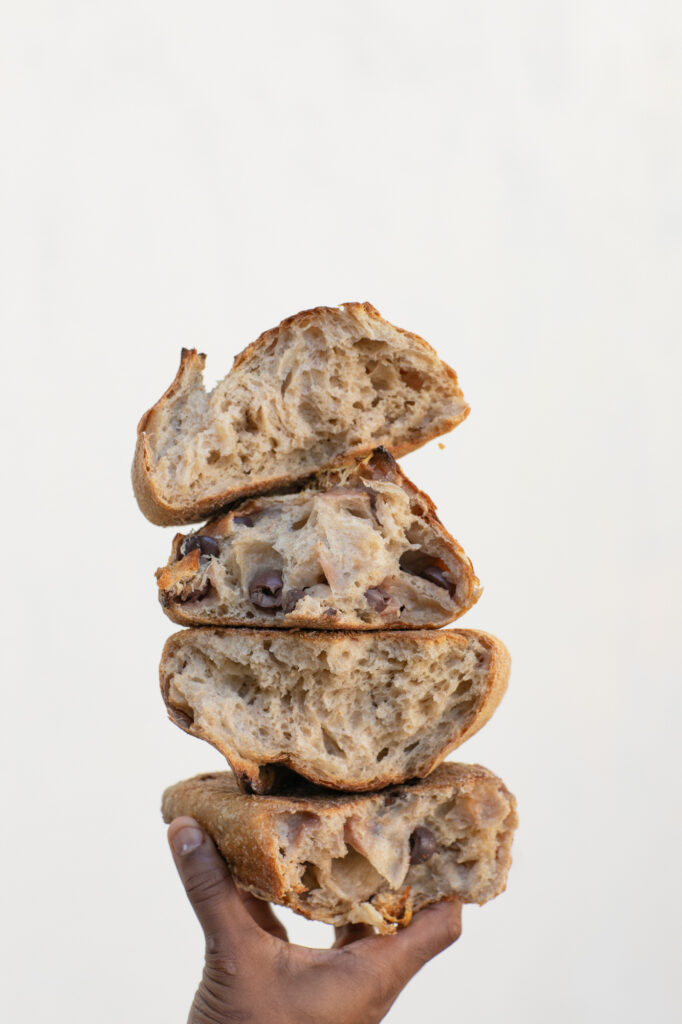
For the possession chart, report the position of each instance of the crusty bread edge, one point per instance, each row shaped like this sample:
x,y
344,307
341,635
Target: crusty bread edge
x,y
264,339
498,679
247,772
249,845
162,513
147,493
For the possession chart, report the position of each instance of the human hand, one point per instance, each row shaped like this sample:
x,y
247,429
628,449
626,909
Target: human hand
x,y
253,973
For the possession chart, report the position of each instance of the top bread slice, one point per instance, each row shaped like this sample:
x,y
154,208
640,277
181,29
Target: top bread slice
x,y
326,385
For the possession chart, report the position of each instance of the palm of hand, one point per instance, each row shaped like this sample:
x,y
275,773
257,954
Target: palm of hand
x,y
252,973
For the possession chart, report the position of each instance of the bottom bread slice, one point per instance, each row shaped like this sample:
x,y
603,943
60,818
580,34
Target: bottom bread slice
x,y
375,858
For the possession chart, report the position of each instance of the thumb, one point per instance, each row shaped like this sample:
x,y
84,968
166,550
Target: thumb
x,y
208,884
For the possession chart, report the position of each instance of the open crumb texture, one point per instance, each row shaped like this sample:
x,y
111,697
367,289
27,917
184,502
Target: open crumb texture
x,y
326,383
347,710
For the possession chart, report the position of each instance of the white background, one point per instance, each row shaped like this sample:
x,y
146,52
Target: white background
x,y
501,177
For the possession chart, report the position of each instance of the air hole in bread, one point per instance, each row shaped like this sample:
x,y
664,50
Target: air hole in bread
x,y
411,746
213,456
422,564
250,424
412,378
184,716
359,513
382,754
383,377
354,876
330,744
309,876
466,705
309,412
369,346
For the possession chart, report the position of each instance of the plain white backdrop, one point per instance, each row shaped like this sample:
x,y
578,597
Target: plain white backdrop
x,y
501,177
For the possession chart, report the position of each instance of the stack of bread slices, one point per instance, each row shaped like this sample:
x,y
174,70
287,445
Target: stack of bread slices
x,y
315,593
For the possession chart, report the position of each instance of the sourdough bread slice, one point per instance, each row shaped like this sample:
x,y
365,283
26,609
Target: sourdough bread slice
x,y
325,383
358,547
373,858
352,711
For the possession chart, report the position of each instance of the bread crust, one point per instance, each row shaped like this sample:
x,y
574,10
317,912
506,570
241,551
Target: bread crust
x,y
163,513
250,775
149,497
244,827
379,462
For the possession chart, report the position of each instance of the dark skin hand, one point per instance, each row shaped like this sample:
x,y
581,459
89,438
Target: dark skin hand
x,y
252,973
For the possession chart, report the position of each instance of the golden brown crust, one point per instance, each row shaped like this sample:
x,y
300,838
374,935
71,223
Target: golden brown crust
x,y
256,778
178,572
270,336
149,498
159,511
246,835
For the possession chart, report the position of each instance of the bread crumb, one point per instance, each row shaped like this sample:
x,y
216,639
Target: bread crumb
x,y
441,445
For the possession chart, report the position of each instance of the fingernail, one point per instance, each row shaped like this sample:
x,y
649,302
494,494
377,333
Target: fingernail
x,y
187,840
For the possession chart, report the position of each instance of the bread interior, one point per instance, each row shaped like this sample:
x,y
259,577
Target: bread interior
x,y
347,711
321,387
355,865
352,556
